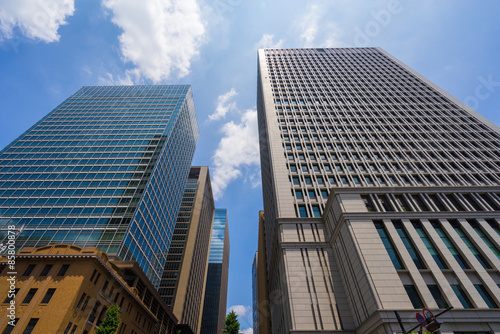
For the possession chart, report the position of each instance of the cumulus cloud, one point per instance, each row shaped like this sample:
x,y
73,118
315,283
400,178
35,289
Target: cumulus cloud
x,y
224,104
238,150
160,37
240,310
35,19
247,331
309,25
267,42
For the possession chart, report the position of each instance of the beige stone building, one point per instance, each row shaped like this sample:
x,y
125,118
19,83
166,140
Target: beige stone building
x,y
381,194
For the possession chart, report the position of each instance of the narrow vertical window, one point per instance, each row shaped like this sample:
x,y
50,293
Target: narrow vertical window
x,y
458,257
409,245
486,296
461,296
379,225
438,296
485,238
429,245
414,297
471,246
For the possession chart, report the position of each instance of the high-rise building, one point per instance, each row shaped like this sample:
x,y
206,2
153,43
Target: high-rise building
x,y
184,277
381,194
106,168
261,322
214,307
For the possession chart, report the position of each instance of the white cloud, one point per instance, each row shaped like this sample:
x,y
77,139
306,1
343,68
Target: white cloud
x,y
247,331
160,37
240,310
267,42
224,104
309,25
333,35
237,151
36,19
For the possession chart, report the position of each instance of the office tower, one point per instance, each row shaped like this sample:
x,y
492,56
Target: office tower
x,y
261,320
106,168
68,289
381,194
214,307
184,276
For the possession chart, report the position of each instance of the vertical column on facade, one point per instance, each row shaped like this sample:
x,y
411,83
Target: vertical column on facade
x,y
414,272
494,237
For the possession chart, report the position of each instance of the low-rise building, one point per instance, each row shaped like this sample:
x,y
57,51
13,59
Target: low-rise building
x,y
68,289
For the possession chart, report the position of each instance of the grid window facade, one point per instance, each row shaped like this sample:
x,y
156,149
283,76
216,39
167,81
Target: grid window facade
x,y
106,168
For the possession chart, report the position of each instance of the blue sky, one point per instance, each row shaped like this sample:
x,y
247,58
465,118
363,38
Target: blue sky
x,y
49,49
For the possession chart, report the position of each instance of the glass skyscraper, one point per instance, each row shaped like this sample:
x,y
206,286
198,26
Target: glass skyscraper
x,y
214,307
106,168
381,194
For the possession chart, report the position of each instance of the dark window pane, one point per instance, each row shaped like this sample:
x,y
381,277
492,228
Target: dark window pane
x,y
414,297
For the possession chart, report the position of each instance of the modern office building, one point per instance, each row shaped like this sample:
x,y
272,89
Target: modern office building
x,y
261,320
214,307
381,194
68,289
185,273
106,168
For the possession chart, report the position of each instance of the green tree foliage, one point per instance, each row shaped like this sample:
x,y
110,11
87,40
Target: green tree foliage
x,y
231,324
111,321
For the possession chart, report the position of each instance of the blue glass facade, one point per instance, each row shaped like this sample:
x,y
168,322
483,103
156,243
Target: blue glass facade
x,y
214,307
107,169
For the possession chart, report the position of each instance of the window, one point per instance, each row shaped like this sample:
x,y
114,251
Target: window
x,y
29,296
471,246
295,180
81,301
316,212
379,225
302,211
8,329
462,296
46,270
85,303
324,193
48,296
307,180
486,296
28,270
66,331
414,297
409,245
311,194
104,287
93,275
486,240
429,245
63,270
298,194
458,257
438,296
31,325
11,295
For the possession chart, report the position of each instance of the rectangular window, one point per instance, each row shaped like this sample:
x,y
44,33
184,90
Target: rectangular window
x,y
46,270
438,296
430,246
379,225
302,211
66,331
48,296
458,257
8,329
63,270
316,212
28,270
414,297
81,301
485,238
31,325
486,296
11,295
29,296
471,246
462,296
298,194
409,245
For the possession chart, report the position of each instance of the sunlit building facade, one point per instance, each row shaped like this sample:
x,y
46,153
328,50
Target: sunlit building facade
x,y
381,194
106,168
